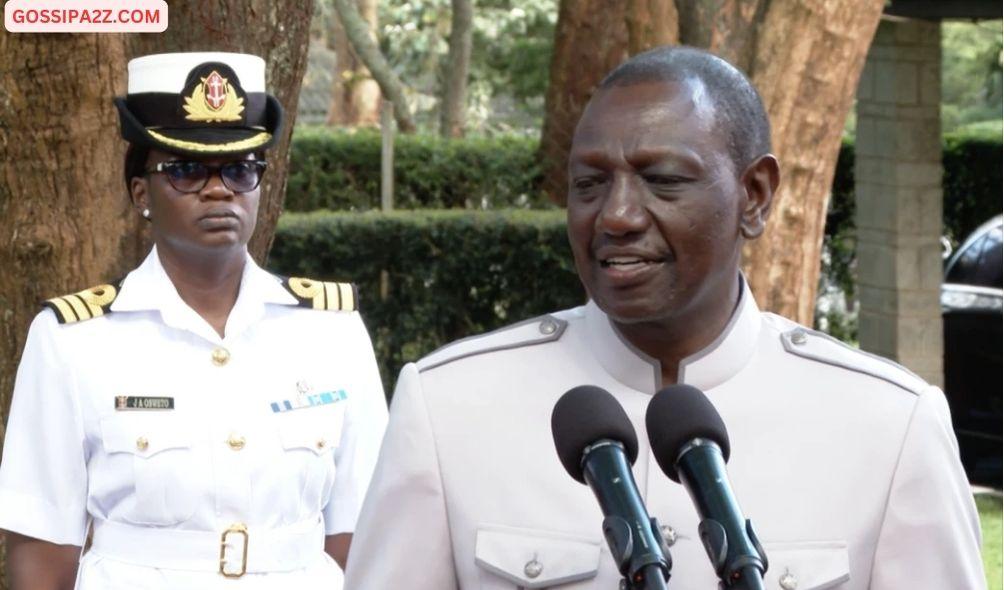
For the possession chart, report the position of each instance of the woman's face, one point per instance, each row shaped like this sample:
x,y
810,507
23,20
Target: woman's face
x,y
213,217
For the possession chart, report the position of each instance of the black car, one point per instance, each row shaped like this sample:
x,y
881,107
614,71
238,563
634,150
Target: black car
x,y
971,310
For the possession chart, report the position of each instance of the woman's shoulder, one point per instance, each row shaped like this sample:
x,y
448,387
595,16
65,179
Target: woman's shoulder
x,y
322,295
83,305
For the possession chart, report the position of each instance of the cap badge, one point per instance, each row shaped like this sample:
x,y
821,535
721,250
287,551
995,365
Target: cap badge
x,y
214,100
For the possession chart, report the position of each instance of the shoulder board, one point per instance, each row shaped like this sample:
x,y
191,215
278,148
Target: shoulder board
x,y
83,305
323,295
824,348
527,333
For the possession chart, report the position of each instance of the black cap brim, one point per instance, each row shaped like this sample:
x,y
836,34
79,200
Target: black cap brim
x,y
203,141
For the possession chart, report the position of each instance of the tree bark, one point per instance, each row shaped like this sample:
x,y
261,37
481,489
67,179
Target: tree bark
x,y
805,58
355,95
454,101
369,53
65,218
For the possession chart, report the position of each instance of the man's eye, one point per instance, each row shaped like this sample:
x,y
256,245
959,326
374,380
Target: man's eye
x,y
663,179
586,182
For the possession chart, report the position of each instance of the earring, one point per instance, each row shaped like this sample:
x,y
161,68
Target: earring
x,y
146,213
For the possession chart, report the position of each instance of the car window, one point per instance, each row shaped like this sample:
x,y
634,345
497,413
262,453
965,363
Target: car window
x,y
980,263
988,270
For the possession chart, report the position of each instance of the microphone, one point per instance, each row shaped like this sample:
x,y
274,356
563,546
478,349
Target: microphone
x,y
597,446
691,445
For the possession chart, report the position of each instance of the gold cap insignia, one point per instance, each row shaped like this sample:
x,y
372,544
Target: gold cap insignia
x,y
214,100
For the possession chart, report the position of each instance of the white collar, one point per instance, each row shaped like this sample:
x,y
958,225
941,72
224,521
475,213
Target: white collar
x,y
705,369
148,288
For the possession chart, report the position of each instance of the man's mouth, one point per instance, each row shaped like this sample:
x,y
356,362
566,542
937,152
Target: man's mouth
x,y
628,262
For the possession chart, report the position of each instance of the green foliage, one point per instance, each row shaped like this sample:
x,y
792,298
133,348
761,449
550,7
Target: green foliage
x,y
972,180
989,507
341,171
512,41
970,73
448,274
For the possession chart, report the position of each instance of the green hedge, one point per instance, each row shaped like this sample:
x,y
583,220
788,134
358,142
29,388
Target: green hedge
x,y
449,274
972,180
341,171
337,170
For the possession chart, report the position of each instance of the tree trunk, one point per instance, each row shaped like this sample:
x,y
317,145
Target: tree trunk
x,y
65,215
355,95
804,56
590,39
367,50
64,212
454,105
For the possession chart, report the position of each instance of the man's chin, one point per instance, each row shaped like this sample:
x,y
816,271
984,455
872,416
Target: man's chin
x,y
634,310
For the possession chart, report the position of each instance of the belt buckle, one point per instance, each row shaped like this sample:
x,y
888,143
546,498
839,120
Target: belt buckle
x,y
241,529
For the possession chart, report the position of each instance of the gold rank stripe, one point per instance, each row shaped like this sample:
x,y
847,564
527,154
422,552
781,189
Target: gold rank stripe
x,y
83,305
322,295
240,145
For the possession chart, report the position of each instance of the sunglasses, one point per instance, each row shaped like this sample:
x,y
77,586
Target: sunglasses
x,y
191,177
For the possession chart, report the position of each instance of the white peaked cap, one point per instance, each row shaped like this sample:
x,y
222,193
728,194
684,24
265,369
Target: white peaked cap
x,y
167,72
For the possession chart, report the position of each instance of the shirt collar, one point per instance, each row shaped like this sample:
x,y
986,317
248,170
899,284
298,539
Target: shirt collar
x,y
148,288
706,369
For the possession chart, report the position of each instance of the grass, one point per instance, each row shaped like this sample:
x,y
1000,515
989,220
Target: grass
x,y
990,521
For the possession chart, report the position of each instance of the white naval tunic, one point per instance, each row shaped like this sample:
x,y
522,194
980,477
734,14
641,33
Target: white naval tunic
x,y
846,464
162,485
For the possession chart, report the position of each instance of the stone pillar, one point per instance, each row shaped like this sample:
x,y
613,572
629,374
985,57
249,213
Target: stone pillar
x,y
897,174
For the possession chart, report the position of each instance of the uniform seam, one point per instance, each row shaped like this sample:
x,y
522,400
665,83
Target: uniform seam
x,y
892,481
560,329
439,470
850,367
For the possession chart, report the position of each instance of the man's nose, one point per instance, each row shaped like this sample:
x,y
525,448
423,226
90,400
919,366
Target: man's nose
x,y
623,210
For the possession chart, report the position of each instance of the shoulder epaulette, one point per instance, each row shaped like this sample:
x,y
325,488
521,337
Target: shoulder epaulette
x,y
823,348
83,305
323,295
538,330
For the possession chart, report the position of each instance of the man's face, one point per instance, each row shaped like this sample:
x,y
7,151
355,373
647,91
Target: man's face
x,y
653,203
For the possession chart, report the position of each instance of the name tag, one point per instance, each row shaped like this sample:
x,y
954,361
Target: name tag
x,y
309,401
138,402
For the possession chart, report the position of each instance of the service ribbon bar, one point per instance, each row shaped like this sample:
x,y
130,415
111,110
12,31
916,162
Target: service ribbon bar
x,y
310,401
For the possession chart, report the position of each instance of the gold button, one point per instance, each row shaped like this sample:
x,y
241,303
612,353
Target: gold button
x,y
142,444
321,444
220,356
236,442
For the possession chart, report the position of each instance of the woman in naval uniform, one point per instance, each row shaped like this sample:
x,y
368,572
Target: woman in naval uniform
x,y
211,424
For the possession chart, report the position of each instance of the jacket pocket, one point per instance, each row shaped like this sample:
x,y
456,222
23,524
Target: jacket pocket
x,y
525,558
808,565
151,456
310,440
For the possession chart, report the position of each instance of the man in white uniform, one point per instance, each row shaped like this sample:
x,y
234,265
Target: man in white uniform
x,y
845,462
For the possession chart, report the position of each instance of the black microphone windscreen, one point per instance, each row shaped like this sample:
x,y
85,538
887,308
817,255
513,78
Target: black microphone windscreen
x,y
677,415
584,415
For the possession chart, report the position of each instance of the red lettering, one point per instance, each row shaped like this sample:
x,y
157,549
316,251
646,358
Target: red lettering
x,y
18,16
152,17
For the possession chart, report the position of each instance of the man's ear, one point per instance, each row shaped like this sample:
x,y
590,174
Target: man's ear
x,y
759,181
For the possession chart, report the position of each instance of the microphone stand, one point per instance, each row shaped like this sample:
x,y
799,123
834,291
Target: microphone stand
x,y
649,571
